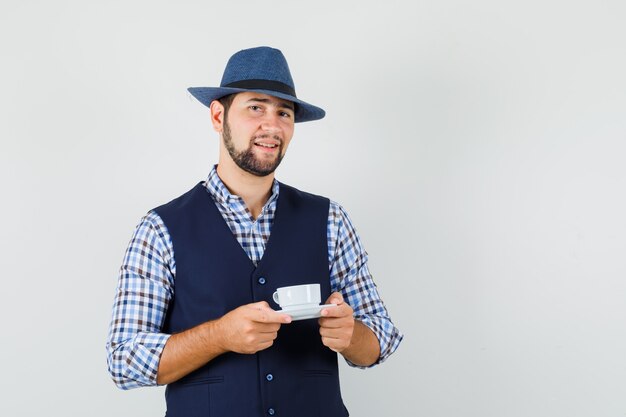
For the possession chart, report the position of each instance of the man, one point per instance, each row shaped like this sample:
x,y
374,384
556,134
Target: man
x,y
194,306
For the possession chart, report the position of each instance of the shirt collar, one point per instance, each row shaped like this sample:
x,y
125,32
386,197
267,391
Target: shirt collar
x,y
220,193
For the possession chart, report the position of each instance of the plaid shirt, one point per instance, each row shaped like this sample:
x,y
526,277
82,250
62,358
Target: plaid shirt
x,y
146,283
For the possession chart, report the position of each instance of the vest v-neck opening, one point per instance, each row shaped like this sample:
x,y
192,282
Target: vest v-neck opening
x,y
233,238
224,226
275,229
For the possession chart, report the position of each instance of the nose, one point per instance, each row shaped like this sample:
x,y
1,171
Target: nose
x,y
271,123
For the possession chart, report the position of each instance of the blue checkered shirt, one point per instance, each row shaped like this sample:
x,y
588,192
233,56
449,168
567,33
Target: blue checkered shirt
x,y
146,283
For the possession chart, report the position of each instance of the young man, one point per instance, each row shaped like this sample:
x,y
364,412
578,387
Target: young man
x,y
194,306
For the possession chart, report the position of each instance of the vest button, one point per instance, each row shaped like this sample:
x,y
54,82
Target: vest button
x,y
262,281
269,377
271,411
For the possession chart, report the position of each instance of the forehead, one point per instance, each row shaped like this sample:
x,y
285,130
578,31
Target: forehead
x,y
254,97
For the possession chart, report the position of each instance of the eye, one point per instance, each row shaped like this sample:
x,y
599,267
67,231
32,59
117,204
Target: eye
x,y
255,108
285,114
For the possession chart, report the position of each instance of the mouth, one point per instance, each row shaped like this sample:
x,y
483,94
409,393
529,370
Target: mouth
x,y
266,144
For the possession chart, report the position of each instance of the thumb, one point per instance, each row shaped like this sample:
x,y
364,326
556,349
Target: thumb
x,y
335,298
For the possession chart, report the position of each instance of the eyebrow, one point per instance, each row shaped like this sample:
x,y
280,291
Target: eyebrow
x,y
281,103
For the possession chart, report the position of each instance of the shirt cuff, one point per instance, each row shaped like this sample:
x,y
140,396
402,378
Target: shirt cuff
x,y
135,363
389,338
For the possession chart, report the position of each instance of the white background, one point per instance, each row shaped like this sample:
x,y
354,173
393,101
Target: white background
x,y
478,146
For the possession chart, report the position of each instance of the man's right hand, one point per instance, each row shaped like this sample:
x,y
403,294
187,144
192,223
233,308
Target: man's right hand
x,y
246,329
250,328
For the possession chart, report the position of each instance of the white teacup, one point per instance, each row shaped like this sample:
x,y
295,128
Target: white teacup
x,y
297,295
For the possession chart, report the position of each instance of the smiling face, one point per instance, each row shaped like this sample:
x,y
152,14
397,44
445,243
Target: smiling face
x,y
257,130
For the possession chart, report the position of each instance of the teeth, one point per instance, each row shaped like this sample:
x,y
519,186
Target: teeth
x,y
266,145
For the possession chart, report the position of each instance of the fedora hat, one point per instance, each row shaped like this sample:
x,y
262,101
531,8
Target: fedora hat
x,y
262,69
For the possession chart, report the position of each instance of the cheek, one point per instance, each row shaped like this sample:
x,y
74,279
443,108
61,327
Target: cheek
x,y
242,133
288,133
286,142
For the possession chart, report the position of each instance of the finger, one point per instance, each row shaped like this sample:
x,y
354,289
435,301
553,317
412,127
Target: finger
x,y
271,316
261,305
335,298
333,311
331,343
336,323
330,312
261,345
267,337
332,323
331,333
267,327
265,345
343,310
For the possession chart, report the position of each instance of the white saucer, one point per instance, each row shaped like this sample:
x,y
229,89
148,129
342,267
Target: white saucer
x,y
305,312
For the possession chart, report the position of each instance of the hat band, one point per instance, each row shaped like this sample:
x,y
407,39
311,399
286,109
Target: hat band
x,y
263,85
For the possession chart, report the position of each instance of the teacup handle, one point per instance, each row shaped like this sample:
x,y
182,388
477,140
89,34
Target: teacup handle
x,y
275,297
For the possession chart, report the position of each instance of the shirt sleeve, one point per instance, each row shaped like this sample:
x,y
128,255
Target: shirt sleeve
x,y
144,290
350,276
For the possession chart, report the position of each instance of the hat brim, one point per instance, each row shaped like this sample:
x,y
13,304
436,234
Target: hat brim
x,y
304,112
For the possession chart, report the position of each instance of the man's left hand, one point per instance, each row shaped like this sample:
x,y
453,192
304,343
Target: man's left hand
x,y
337,324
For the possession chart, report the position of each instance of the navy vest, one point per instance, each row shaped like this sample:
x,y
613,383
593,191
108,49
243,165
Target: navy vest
x,y
297,376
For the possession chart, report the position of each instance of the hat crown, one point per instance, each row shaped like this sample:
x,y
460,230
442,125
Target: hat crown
x,y
261,63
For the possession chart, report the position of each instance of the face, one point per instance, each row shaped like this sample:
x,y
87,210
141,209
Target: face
x,y
257,131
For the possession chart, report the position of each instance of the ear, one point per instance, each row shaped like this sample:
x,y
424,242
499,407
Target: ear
x,y
217,116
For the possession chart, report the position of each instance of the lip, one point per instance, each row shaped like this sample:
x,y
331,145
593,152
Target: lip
x,y
259,145
268,150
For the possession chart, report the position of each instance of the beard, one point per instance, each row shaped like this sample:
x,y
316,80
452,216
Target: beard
x,y
247,160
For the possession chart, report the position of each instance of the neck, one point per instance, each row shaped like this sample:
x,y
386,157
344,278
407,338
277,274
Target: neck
x,y
254,190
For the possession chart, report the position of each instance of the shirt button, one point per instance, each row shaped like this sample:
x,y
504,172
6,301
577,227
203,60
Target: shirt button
x,y
269,377
271,411
262,281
